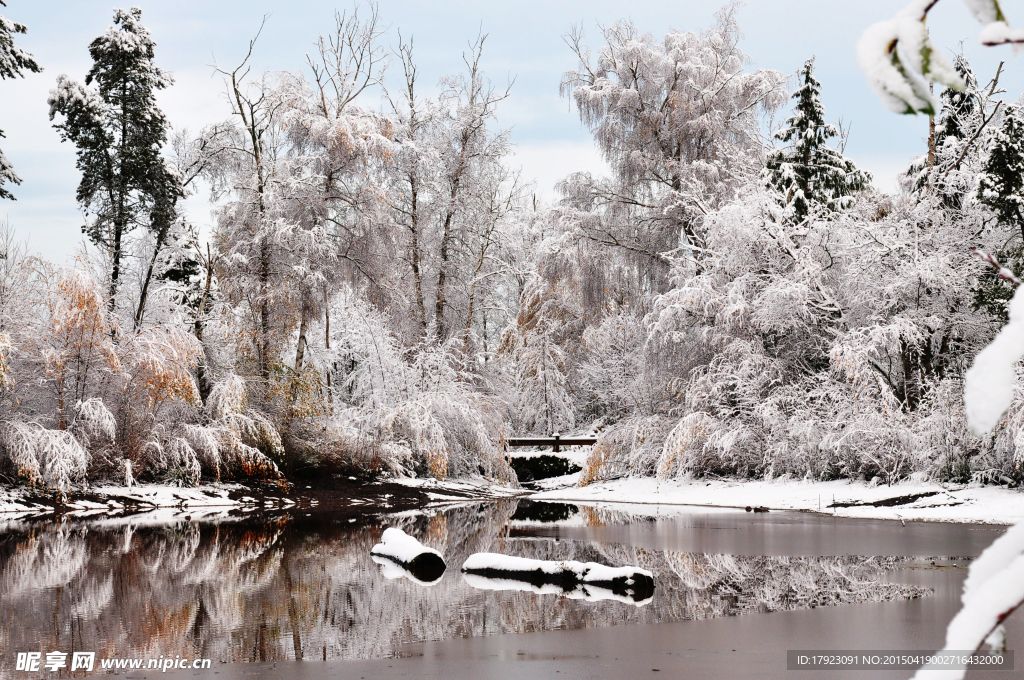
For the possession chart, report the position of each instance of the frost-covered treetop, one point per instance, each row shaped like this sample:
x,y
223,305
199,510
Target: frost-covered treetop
x,y
647,101
957,105
13,59
808,120
124,54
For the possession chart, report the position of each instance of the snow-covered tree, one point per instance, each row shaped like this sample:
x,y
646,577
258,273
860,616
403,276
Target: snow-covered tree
x,y
119,132
449,196
958,105
678,122
808,172
76,348
333,141
13,62
1001,182
250,227
964,112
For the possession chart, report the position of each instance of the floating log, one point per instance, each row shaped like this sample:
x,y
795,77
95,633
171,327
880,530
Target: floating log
x,y
569,578
402,556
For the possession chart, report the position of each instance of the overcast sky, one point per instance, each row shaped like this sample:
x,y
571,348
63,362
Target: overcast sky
x,y
524,43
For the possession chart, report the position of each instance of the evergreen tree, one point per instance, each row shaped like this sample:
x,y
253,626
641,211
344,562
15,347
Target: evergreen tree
x,y
1001,183
119,131
957,105
808,171
13,60
957,119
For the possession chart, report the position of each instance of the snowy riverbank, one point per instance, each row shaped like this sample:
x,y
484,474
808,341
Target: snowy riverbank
x,y
139,497
457,490
905,501
345,495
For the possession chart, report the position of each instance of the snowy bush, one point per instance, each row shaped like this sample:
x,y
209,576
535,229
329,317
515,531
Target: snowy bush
x,y
449,437
175,460
228,397
53,458
631,447
94,423
246,441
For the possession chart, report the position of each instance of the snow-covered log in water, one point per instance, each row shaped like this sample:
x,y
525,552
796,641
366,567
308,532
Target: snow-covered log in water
x,y
577,580
400,555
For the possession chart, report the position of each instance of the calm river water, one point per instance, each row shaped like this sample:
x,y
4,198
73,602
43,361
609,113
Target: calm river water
x,y
734,591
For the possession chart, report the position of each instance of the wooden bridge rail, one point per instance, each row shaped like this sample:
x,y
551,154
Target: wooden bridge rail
x,y
556,442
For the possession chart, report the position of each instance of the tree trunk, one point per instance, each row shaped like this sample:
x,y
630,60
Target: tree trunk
x,y
115,269
327,343
442,273
300,350
931,144
203,370
446,237
484,245
415,247
144,295
264,330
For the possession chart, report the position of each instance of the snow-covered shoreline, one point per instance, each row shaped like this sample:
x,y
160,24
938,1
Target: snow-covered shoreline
x,y
924,501
934,502
185,502
457,490
113,498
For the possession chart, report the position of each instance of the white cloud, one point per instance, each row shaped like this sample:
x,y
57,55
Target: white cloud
x,y
549,162
884,170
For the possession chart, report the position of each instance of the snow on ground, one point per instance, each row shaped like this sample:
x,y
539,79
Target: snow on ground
x,y
933,502
460,490
977,504
552,483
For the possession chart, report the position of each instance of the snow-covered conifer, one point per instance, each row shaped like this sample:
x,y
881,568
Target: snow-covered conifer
x,y
119,132
1001,182
13,61
808,172
958,105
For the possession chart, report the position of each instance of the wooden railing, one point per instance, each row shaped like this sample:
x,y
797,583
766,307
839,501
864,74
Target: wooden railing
x,y
556,442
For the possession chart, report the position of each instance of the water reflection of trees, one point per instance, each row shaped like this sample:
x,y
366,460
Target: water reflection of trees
x,y
266,591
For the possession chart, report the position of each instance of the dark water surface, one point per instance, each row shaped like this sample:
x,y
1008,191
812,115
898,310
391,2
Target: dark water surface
x,y
734,590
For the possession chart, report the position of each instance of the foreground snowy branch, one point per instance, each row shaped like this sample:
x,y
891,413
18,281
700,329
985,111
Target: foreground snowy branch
x,y
899,58
994,589
989,384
